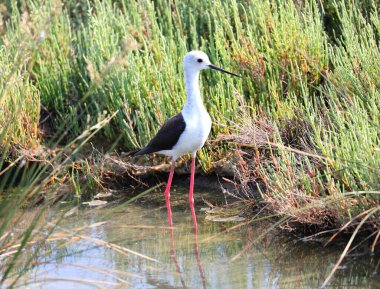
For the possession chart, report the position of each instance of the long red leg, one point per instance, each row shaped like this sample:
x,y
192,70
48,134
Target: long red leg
x,y
191,194
167,194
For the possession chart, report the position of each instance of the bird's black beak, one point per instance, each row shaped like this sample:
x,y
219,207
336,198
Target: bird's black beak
x,y
222,70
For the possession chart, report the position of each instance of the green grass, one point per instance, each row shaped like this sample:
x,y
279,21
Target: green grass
x,y
320,158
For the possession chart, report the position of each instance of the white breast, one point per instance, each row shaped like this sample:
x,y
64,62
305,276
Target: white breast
x,y
198,127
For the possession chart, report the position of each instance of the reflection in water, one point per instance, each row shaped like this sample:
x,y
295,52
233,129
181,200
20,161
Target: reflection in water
x,y
198,256
185,259
174,256
196,252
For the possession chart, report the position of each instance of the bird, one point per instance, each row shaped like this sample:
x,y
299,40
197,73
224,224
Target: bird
x,y
187,131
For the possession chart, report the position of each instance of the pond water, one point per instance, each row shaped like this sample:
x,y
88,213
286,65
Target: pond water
x,y
130,246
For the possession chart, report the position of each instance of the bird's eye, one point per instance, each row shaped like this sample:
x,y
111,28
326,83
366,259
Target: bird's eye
x,y
200,60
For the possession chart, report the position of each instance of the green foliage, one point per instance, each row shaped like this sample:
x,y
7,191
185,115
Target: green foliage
x,y
351,134
323,169
19,99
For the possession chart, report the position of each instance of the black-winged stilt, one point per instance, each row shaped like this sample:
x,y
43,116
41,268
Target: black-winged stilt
x,y
187,131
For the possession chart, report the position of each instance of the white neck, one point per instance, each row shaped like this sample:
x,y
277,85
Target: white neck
x,y
193,94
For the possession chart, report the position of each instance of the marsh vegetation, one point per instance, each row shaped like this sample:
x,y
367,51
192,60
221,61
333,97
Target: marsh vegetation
x,y
83,81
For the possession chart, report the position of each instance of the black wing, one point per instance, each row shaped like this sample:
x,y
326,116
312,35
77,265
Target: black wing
x,y
166,137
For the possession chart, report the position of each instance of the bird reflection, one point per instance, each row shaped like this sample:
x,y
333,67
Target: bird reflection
x,y
198,256
196,251
173,256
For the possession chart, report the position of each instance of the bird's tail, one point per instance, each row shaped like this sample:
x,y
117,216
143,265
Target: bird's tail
x,y
141,152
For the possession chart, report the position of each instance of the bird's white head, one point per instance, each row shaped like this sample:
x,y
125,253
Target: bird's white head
x,y
195,61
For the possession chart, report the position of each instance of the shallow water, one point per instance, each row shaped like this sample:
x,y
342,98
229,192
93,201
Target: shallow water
x,y
84,255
